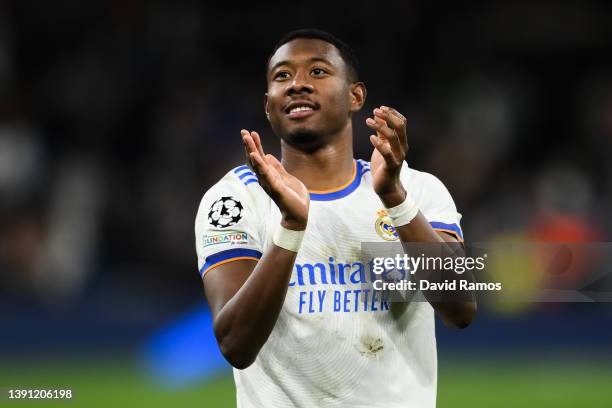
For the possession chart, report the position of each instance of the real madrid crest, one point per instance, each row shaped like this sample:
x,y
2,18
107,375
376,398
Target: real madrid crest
x,y
384,226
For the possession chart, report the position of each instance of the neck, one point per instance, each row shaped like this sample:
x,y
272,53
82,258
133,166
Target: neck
x,y
326,167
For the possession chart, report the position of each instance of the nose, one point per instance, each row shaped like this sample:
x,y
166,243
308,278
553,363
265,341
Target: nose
x,y
300,84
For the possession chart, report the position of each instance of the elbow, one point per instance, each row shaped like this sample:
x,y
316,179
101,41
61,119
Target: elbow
x,y
236,345
462,323
237,358
463,316
236,353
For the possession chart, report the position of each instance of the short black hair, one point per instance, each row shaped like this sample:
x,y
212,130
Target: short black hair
x,y
346,52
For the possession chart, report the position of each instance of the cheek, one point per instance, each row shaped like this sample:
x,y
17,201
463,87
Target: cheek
x,y
274,98
339,100
272,108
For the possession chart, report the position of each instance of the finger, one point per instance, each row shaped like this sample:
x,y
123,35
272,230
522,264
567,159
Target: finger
x,y
384,149
247,151
257,141
250,144
380,125
386,132
394,112
246,155
246,136
395,121
273,161
268,176
259,164
403,125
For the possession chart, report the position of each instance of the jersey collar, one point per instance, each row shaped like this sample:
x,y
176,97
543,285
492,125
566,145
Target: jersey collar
x,y
342,191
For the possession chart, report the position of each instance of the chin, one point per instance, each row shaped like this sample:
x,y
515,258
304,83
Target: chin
x,y
303,138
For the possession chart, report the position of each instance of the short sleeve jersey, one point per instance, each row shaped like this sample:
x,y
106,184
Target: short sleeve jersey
x,y
334,343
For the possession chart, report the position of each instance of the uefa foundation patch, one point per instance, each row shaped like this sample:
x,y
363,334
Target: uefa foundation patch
x,y
229,237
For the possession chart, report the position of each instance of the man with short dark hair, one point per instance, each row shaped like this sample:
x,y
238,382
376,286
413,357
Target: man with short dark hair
x,y
278,246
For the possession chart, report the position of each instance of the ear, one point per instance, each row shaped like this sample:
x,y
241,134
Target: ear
x,y
266,106
358,95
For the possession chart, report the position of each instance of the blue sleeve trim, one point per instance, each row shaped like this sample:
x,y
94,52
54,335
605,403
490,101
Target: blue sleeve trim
x,y
246,174
219,257
447,227
241,168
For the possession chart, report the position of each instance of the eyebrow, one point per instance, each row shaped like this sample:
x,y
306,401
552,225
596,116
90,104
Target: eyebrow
x,y
313,59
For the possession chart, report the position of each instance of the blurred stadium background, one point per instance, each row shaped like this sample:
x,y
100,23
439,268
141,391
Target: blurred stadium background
x,y
116,116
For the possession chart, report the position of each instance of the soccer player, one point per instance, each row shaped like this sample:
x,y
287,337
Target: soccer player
x,y
278,246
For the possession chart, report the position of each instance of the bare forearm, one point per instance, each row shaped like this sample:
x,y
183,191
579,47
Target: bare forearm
x,y
245,322
391,146
247,309
458,308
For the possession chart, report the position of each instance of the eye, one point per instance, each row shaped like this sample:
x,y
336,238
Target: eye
x,y
318,71
281,75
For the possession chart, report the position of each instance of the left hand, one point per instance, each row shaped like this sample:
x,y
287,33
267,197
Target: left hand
x,y
390,148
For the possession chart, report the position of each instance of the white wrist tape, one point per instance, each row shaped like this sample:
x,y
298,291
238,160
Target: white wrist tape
x,y
288,239
403,213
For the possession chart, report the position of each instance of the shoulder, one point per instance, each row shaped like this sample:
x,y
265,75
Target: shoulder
x,y
239,185
422,184
229,224
239,178
434,200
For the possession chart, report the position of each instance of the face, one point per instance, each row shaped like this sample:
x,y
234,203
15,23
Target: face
x,y
310,97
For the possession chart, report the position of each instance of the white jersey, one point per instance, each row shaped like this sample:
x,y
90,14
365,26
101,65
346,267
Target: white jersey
x,y
334,344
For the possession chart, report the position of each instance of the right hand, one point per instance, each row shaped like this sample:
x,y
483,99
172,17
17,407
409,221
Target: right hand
x,y
287,191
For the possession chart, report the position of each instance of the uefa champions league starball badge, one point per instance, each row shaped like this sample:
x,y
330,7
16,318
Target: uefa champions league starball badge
x,y
225,212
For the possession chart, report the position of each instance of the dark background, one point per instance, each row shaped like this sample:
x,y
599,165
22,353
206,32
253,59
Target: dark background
x,y
116,117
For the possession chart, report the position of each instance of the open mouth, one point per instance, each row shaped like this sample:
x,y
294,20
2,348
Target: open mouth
x,y
300,109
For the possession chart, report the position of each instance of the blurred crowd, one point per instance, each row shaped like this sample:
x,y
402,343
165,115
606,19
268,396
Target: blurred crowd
x,y
115,117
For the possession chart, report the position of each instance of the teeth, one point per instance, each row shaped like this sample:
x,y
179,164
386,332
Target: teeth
x,y
300,108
